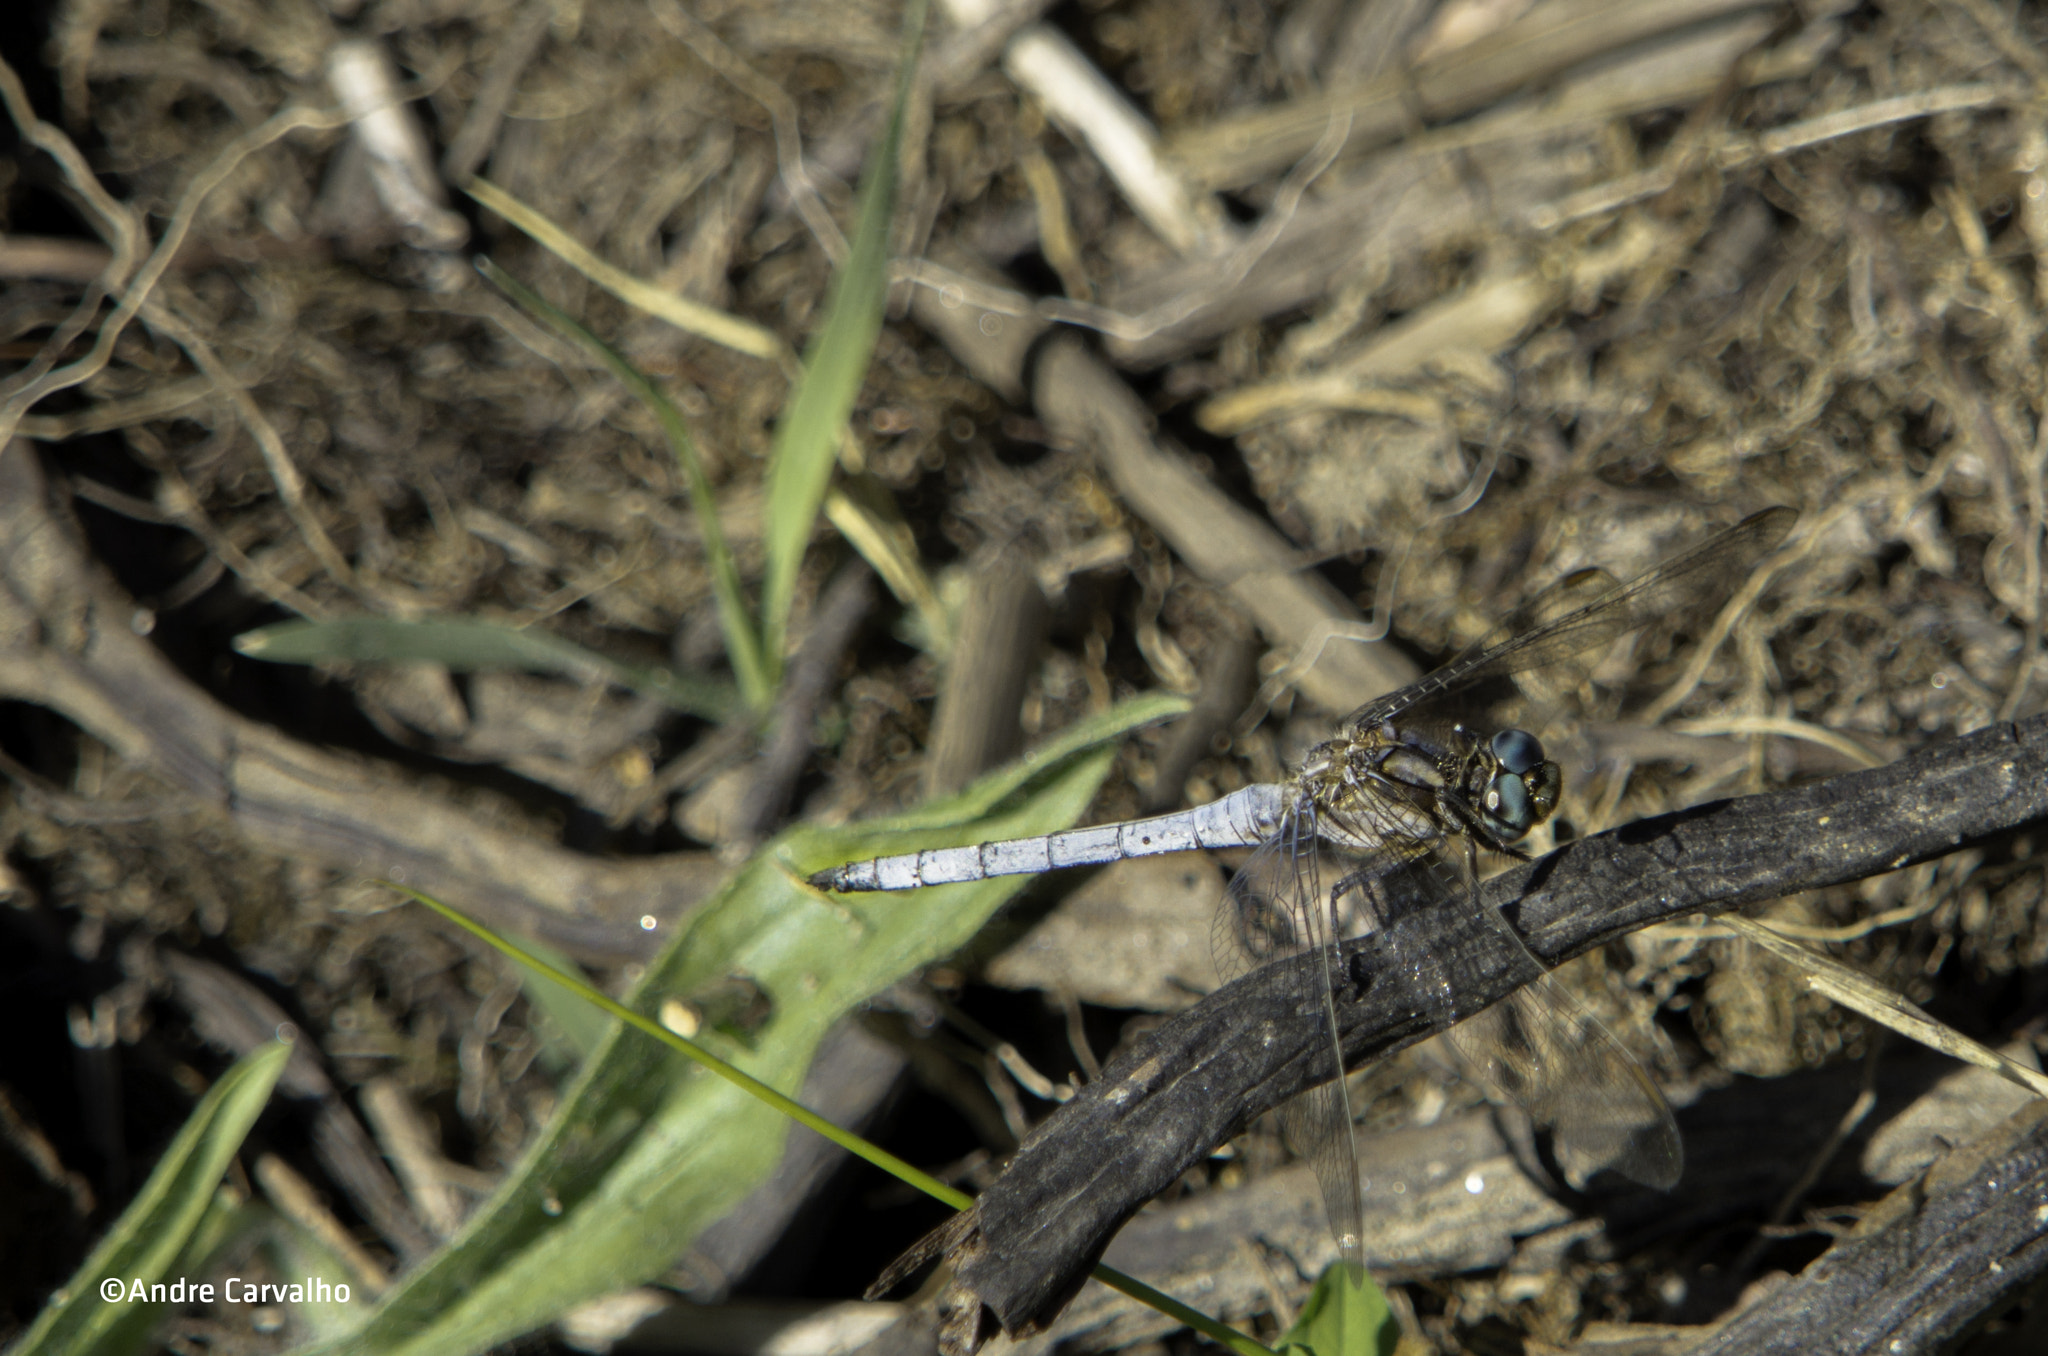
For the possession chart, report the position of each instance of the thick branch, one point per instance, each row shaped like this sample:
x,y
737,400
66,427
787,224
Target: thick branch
x,y
1924,1266
1205,1073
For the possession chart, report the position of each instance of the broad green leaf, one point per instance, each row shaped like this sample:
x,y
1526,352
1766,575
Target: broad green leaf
x,y
647,1150
155,1230
800,462
467,645
1345,1315
583,1025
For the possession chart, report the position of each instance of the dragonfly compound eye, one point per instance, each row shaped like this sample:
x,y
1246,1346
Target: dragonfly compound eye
x,y
1517,751
1507,800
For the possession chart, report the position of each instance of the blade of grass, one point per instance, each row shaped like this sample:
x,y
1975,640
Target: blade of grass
x,y
468,645
163,1218
806,438
742,643
739,335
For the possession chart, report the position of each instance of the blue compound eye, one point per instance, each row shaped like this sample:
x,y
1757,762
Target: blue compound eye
x,y
1507,800
1517,751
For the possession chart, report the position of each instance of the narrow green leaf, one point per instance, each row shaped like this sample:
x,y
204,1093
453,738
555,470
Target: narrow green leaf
x,y
647,1150
154,1230
800,464
467,645
742,644
1346,1314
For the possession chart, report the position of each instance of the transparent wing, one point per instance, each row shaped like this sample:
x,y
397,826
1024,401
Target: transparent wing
x,y
1688,585
1537,1047
1540,1049
1273,910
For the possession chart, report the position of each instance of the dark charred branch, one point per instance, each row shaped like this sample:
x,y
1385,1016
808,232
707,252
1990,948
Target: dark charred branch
x,y
1202,1076
1930,1262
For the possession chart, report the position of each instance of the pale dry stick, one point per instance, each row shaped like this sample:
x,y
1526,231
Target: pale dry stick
x,y
1045,63
409,1140
782,117
401,167
1400,204
1083,402
706,322
1742,152
1055,226
50,259
291,486
1842,985
1116,324
1482,319
296,1200
1240,148
1781,725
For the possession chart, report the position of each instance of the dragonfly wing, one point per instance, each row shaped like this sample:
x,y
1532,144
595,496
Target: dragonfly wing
x,y
1273,910
1687,586
1536,1047
1540,1049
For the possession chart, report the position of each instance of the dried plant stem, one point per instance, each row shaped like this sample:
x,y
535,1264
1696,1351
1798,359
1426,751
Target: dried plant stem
x,y
1852,990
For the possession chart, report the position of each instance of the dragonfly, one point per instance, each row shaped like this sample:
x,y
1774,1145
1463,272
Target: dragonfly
x,y
1392,815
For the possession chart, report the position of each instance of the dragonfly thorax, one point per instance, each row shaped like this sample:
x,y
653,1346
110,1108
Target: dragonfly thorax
x,y
1426,787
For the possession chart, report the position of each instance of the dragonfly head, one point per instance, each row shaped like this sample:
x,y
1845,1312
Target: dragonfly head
x,y
1523,787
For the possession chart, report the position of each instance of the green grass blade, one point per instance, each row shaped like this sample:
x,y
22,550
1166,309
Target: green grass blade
x,y
467,645
154,1230
801,461
647,1149
742,644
